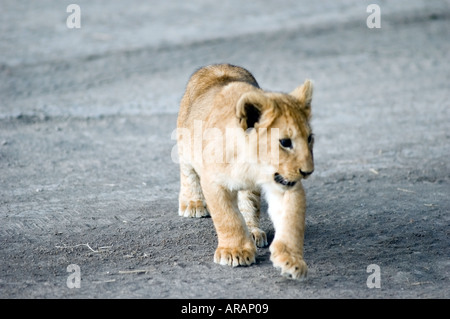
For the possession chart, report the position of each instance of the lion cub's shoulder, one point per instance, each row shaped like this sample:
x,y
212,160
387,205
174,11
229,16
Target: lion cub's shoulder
x,y
219,75
214,78
203,88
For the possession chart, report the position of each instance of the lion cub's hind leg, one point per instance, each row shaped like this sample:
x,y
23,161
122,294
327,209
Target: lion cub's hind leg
x,y
249,203
191,201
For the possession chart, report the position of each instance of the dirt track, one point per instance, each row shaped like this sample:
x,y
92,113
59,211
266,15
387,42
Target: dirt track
x,y
86,175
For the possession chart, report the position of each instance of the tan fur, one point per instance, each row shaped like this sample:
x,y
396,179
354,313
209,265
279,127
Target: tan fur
x,y
226,179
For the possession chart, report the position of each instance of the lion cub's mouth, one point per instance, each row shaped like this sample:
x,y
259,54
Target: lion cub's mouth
x,y
280,180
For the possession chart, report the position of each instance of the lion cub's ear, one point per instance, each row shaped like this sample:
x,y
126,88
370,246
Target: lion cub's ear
x,y
304,94
254,109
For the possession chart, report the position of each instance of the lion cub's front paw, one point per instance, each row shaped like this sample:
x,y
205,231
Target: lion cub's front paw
x,y
292,264
235,256
259,237
193,209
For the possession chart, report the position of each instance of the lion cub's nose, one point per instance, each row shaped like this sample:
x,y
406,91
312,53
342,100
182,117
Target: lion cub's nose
x,y
306,174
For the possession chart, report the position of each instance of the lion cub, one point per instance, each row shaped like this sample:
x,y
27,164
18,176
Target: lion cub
x,y
236,141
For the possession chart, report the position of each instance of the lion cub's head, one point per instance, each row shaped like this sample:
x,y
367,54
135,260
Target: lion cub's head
x,y
260,112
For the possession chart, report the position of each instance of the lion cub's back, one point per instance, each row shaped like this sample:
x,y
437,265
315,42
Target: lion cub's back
x,y
204,84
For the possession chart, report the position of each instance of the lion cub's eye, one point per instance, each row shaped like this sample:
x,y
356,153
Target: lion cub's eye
x,y
286,142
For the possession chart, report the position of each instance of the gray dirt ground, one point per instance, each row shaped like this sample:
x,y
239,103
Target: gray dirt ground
x,y
86,117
